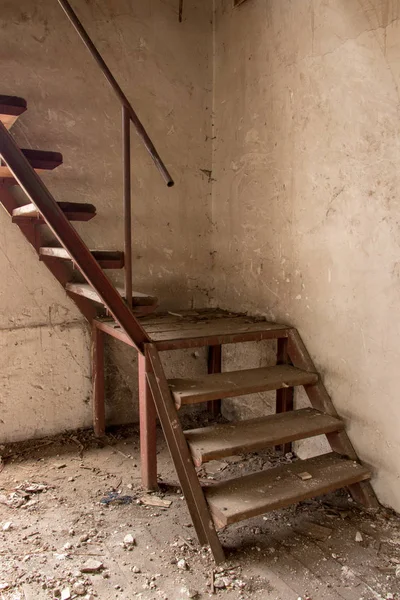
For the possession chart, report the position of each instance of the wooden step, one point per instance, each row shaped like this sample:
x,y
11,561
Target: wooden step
x,y
107,259
238,499
74,211
11,107
238,383
228,439
40,160
86,290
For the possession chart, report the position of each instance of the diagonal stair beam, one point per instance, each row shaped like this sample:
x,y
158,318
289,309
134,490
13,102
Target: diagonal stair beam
x,y
180,454
318,395
68,237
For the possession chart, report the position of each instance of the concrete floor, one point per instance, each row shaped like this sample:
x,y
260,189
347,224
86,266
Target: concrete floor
x,y
48,536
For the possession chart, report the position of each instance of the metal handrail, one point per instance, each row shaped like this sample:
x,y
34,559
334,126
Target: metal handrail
x,y
128,116
118,91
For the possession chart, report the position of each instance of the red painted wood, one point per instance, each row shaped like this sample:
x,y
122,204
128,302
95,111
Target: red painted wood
x,y
99,420
148,432
284,396
214,366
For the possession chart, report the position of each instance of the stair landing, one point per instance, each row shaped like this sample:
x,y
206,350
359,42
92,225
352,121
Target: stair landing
x,y
196,328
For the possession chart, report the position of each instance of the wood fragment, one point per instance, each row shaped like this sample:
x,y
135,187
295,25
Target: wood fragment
x,y
304,476
313,530
212,581
155,501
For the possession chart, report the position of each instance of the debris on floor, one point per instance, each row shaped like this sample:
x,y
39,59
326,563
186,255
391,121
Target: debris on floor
x,y
88,530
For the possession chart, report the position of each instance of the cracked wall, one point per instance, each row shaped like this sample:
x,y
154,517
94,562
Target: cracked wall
x,y
306,195
165,69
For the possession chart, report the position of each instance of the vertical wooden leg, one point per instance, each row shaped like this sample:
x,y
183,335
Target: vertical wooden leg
x,y
99,421
214,366
178,447
285,396
148,432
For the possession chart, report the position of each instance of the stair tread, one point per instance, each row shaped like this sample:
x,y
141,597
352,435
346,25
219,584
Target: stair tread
x,y
238,383
241,498
86,290
40,160
111,259
228,439
75,211
11,107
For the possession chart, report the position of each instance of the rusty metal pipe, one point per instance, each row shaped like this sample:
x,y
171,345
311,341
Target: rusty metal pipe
x,y
142,133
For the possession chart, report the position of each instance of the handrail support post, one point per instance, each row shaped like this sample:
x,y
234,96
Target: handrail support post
x,y
126,144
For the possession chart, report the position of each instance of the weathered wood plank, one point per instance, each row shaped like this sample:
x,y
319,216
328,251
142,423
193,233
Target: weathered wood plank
x,y
107,259
238,383
228,439
237,499
74,211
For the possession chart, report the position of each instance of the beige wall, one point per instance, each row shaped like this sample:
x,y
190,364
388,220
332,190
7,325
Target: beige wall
x,y
306,195
302,226
165,69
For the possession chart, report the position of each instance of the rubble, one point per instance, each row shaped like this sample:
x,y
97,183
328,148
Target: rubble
x,y
66,594
70,541
182,564
305,476
79,588
129,540
92,566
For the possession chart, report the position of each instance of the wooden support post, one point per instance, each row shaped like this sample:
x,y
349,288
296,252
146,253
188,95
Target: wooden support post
x,y
175,438
214,366
99,422
148,431
284,396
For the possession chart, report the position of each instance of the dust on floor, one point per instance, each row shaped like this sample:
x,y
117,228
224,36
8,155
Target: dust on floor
x,y
74,522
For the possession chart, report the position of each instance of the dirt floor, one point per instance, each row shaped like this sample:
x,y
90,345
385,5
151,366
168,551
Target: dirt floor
x,y
74,522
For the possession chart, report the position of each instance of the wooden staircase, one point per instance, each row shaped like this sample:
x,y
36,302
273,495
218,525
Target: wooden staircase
x,y
128,316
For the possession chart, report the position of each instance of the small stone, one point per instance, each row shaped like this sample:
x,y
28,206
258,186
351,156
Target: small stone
x,y
92,566
182,564
67,546
304,476
129,540
84,538
79,589
66,594
7,526
222,582
191,593
136,570
359,537
60,465
57,592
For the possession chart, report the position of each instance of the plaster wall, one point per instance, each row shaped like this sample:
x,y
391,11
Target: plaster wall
x,y
306,210
165,70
